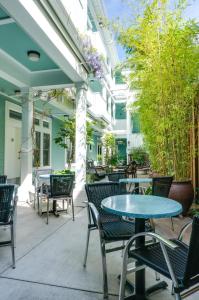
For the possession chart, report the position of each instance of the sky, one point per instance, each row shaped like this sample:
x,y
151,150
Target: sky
x,y
119,9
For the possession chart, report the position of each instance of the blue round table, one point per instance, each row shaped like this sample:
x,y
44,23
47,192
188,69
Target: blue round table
x,y
141,207
136,181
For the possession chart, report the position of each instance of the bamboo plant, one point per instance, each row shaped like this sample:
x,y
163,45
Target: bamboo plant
x,y
162,54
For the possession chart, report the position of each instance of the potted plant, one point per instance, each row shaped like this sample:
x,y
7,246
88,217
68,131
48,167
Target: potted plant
x,y
162,54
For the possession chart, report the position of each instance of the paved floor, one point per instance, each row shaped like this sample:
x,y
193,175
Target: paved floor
x,y
49,260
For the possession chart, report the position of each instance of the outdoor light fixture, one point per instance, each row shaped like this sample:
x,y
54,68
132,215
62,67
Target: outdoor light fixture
x,y
17,92
33,55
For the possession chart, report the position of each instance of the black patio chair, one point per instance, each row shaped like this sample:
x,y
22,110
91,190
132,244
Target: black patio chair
x,y
112,228
161,187
61,187
8,202
171,258
3,179
116,176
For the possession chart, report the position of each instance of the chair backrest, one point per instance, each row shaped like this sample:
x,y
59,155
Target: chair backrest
x,y
96,192
6,202
116,176
37,172
61,185
191,275
161,186
3,179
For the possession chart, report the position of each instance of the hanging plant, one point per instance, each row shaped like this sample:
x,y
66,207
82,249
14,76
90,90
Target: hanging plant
x,y
93,58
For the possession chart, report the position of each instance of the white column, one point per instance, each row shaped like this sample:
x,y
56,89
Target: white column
x,y
26,147
80,146
129,132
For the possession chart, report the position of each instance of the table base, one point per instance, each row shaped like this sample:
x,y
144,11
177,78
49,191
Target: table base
x,y
136,297
154,288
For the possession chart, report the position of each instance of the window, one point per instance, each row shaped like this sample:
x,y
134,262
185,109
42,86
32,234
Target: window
x,y
91,23
37,150
120,111
119,78
15,115
136,123
99,149
36,121
90,147
46,149
45,124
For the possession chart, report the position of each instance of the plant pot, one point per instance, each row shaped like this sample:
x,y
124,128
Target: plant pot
x,y
182,191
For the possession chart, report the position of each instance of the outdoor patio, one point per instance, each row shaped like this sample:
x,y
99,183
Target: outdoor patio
x,y
49,258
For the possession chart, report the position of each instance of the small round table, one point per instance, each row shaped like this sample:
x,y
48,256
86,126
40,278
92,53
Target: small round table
x,y
136,181
141,207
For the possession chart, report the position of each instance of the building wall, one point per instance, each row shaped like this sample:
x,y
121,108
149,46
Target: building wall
x,y
75,9
2,133
58,153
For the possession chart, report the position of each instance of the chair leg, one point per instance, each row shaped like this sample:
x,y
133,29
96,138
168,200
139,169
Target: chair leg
x,y
12,245
86,250
47,213
73,213
104,269
123,276
177,296
172,224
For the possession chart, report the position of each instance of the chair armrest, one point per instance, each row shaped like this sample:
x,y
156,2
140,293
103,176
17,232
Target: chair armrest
x,y
183,230
156,236
163,242
94,212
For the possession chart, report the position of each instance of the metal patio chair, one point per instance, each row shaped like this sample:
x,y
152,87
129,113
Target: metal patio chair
x,y
171,258
3,179
61,187
8,202
40,186
116,176
112,228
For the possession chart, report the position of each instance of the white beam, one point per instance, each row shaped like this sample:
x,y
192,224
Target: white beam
x,y
29,16
12,71
6,21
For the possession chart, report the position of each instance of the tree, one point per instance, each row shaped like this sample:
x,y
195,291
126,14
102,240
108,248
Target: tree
x,y
108,141
162,52
66,134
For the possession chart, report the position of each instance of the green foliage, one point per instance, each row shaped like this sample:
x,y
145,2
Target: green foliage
x,y
140,155
64,172
113,160
162,53
67,132
108,141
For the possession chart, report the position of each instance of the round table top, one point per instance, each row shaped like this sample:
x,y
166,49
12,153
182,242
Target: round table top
x,y
136,180
141,206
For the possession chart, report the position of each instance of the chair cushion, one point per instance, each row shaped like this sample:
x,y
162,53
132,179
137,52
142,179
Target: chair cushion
x,y
152,256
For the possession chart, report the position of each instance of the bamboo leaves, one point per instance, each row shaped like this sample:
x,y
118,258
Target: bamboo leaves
x,y
162,54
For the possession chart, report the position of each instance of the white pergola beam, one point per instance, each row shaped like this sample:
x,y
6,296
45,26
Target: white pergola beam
x,y
29,16
12,71
6,21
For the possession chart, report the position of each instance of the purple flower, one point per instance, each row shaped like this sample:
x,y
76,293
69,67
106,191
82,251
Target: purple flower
x,y
93,58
